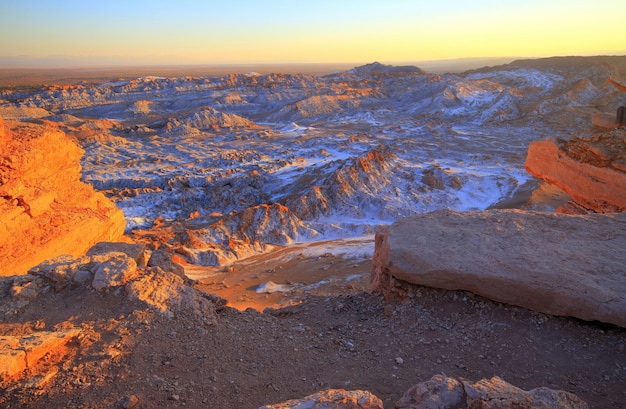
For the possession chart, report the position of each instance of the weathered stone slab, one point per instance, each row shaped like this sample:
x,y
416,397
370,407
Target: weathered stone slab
x,y
18,353
554,263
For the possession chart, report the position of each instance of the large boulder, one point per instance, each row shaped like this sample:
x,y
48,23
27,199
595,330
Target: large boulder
x,y
113,270
45,209
591,170
442,392
554,263
135,251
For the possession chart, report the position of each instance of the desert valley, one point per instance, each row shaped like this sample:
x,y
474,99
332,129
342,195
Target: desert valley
x,y
246,239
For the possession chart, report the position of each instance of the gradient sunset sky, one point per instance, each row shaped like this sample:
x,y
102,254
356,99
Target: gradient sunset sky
x,y
293,31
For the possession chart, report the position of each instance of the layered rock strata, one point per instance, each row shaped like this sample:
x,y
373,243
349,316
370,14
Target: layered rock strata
x,y
554,263
591,170
45,210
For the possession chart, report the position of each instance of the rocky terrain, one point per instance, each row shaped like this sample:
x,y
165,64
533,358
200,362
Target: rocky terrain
x,y
250,204
139,336
244,161
45,210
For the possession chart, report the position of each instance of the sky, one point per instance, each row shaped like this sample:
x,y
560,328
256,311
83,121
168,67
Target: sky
x,y
312,31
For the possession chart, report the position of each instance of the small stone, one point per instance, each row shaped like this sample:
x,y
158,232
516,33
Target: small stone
x,y
82,276
399,361
174,397
130,402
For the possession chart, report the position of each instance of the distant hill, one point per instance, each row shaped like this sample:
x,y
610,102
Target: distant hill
x,y
564,64
378,68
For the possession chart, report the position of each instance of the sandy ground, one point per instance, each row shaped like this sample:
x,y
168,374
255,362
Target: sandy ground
x,y
288,275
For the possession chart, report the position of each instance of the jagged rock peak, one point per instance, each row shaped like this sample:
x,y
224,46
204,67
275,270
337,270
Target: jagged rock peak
x,y
378,68
207,118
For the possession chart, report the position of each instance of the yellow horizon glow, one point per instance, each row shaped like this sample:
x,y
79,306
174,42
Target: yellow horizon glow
x,y
196,32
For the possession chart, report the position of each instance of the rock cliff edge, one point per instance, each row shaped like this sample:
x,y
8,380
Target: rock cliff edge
x,y
45,210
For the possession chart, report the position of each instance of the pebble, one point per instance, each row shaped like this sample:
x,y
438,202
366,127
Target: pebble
x,y
174,397
399,361
130,402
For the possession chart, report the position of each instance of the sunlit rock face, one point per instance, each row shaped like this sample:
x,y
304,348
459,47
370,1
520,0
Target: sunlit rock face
x,y
591,170
3,134
45,210
343,153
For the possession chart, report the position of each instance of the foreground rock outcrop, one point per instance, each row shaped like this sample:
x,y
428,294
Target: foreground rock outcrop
x,y
442,392
591,170
18,354
114,268
332,399
553,263
45,209
109,266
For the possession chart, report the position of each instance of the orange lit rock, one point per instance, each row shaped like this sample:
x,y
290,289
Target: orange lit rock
x,y
3,135
45,210
18,353
591,170
333,399
553,263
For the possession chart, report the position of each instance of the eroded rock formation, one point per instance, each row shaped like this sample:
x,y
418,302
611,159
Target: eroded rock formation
x,y
332,399
162,291
354,188
553,263
591,170
442,392
241,234
45,210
